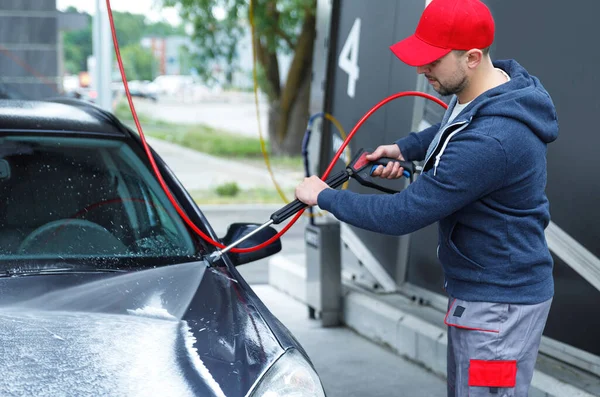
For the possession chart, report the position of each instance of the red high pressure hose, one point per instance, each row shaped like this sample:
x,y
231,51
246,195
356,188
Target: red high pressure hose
x,y
164,186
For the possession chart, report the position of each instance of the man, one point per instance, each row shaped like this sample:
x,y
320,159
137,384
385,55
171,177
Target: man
x,y
484,181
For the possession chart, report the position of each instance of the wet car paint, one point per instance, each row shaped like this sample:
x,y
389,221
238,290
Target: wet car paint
x,y
74,353
119,338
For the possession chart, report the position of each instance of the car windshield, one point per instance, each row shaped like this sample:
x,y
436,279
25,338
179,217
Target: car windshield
x,y
84,199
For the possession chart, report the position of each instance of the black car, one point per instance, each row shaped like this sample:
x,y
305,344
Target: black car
x,y
104,290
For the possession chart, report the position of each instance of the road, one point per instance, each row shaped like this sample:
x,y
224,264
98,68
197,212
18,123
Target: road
x,y
348,364
235,113
201,171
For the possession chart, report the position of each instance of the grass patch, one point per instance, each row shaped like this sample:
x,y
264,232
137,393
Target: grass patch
x,y
230,189
254,196
198,137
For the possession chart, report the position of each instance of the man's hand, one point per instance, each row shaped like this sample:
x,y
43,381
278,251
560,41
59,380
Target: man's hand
x,y
309,190
392,170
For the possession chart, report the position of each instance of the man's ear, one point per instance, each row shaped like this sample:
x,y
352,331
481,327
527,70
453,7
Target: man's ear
x,y
474,58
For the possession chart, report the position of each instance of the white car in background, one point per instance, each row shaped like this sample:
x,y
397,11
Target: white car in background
x,y
172,84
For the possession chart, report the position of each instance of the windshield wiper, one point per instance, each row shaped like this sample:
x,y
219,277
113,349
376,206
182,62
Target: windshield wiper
x,y
56,270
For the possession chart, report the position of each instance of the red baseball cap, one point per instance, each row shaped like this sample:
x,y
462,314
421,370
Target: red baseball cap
x,y
447,25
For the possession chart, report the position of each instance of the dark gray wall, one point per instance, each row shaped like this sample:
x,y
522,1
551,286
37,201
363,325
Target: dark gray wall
x,y
29,48
380,75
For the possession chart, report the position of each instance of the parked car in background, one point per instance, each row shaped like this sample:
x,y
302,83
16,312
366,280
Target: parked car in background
x,y
105,290
137,88
172,84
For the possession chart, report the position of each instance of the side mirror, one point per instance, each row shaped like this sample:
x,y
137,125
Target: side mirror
x,y
239,230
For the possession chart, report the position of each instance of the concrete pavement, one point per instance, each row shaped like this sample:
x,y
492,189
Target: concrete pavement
x,y
348,364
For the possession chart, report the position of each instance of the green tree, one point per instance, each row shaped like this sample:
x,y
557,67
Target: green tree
x,y
164,29
281,26
185,57
77,47
130,30
139,63
130,27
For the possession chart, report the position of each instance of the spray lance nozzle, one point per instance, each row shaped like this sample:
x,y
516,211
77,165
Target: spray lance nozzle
x,y
359,169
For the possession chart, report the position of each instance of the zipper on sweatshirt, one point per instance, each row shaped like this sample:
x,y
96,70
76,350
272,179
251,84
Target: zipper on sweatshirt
x,y
440,140
439,155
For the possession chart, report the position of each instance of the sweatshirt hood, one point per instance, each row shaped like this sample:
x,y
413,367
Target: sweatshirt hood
x,y
523,98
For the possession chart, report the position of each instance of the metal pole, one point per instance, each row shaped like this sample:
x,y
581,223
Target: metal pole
x,y
105,92
95,72
102,56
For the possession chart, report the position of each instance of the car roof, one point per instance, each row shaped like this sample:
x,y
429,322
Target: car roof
x,y
58,115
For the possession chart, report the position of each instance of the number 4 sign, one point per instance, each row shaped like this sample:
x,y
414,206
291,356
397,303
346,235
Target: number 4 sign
x,y
348,60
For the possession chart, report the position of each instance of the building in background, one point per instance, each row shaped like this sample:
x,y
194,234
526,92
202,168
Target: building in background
x,y
30,47
172,53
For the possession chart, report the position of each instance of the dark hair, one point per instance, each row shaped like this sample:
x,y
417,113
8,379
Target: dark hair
x,y
485,51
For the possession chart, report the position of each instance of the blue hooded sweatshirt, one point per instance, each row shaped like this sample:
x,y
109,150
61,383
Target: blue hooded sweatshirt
x,y
484,180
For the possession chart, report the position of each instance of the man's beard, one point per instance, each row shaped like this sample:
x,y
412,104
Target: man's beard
x,y
453,88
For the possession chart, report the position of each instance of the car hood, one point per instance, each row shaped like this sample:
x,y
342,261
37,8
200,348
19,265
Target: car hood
x,y
180,330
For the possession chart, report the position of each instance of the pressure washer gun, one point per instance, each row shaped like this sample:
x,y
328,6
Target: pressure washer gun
x,y
359,169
